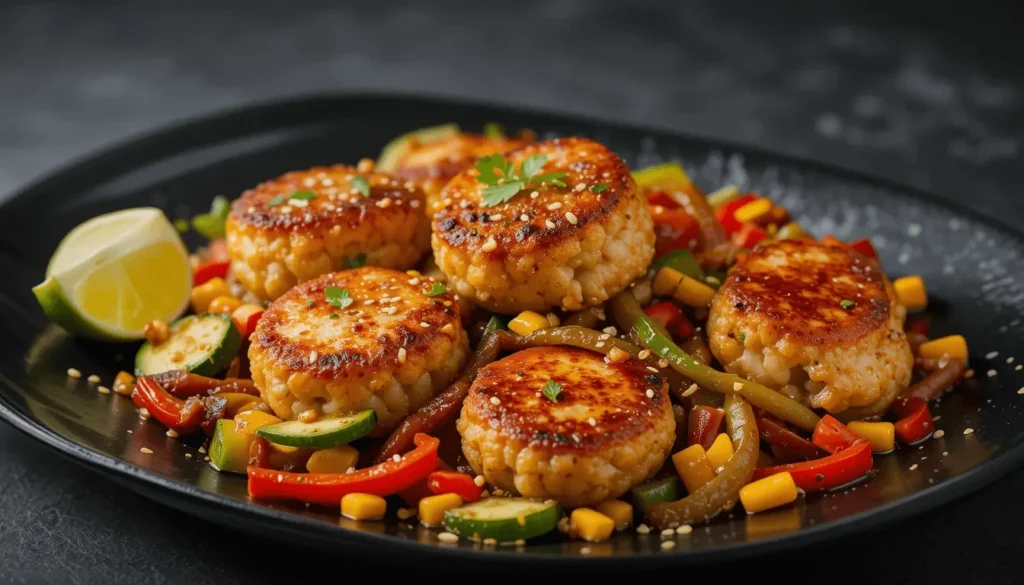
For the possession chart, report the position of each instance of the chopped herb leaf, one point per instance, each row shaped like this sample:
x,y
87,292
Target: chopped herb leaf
x,y
531,166
496,194
211,225
361,185
277,200
303,195
491,169
559,184
549,178
846,304
495,324
503,183
310,304
741,336
494,130
354,261
337,297
551,390
599,188
438,289
335,315
181,225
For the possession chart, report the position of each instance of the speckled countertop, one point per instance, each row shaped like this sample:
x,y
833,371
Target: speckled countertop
x,y
936,108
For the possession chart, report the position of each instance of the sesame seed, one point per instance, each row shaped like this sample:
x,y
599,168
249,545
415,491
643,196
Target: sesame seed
x,y
585,550
172,433
1009,360
414,281
650,393
401,355
662,363
103,390
448,538
479,481
489,245
312,356
992,373
524,217
913,467
643,529
644,354
94,379
202,449
737,386
668,545
610,330
571,217
146,451
592,422
939,434
73,373
496,217
991,355
650,369
495,401
690,390
599,344
1019,368
968,374
1021,391
549,224
490,541
188,455
968,431
534,195
684,529
668,532
581,186
554,206
396,458
144,412
499,492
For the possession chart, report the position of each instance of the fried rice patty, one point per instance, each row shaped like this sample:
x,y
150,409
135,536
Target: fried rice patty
x,y
610,428
307,223
392,349
568,247
820,323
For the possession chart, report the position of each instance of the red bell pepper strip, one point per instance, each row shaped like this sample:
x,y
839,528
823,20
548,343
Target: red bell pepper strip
x,y
208,270
828,472
864,247
832,435
259,452
663,199
383,479
419,490
183,416
748,236
453,482
683,329
704,424
726,213
915,423
674,229
776,434
665,312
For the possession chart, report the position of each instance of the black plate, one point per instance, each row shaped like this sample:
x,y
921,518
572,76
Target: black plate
x,y
972,268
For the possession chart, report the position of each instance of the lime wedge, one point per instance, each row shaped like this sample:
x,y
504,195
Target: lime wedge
x,y
115,273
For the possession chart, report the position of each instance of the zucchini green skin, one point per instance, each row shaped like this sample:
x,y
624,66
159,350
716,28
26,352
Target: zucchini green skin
x,y
656,492
392,152
541,518
322,434
229,449
207,362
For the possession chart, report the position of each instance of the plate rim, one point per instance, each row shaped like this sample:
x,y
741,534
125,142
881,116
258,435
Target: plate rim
x,y
141,480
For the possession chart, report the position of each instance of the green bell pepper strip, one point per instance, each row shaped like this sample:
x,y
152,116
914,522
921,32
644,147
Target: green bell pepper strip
x,y
682,261
706,377
722,492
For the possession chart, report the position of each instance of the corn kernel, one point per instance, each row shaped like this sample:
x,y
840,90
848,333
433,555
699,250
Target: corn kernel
x,y
590,525
911,292
620,512
882,435
123,383
363,506
666,281
334,460
528,322
693,467
952,347
224,304
767,493
720,451
432,508
694,293
205,293
251,420
754,210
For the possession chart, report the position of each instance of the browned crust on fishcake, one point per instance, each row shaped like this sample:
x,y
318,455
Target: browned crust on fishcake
x,y
800,295
443,159
341,358
337,202
516,380
465,223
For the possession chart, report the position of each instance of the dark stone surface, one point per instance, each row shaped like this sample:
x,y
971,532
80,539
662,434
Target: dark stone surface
x,y
937,107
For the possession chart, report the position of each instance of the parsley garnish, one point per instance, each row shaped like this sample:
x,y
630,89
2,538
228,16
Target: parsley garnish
x,y
335,315
741,336
277,200
303,195
337,297
494,130
599,188
551,390
181,225
494,325
503,182
310,304
438,289
846,304
361,185
355,261
211,225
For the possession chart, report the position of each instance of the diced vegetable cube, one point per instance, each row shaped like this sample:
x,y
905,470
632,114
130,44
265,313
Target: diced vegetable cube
x,y
432,508
720,452
693,467
363,506
666,281
693,293
590,525
224,304
620,512
911,292
754,210
204,294
250,421
952,347
770,492
882,435
333,460
528,322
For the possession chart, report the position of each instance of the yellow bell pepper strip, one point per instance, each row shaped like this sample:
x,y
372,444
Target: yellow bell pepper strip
x,y
759,395
327,489
693,467
953,347
723,490
882,435
911,292
720,452
682,261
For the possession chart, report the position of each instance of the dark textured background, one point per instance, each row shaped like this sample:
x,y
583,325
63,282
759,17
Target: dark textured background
x,y
937,106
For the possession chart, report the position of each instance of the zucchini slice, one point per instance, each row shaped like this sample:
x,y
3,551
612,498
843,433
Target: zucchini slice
x,y
322,434
503,519
392,153
201,344
229,449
